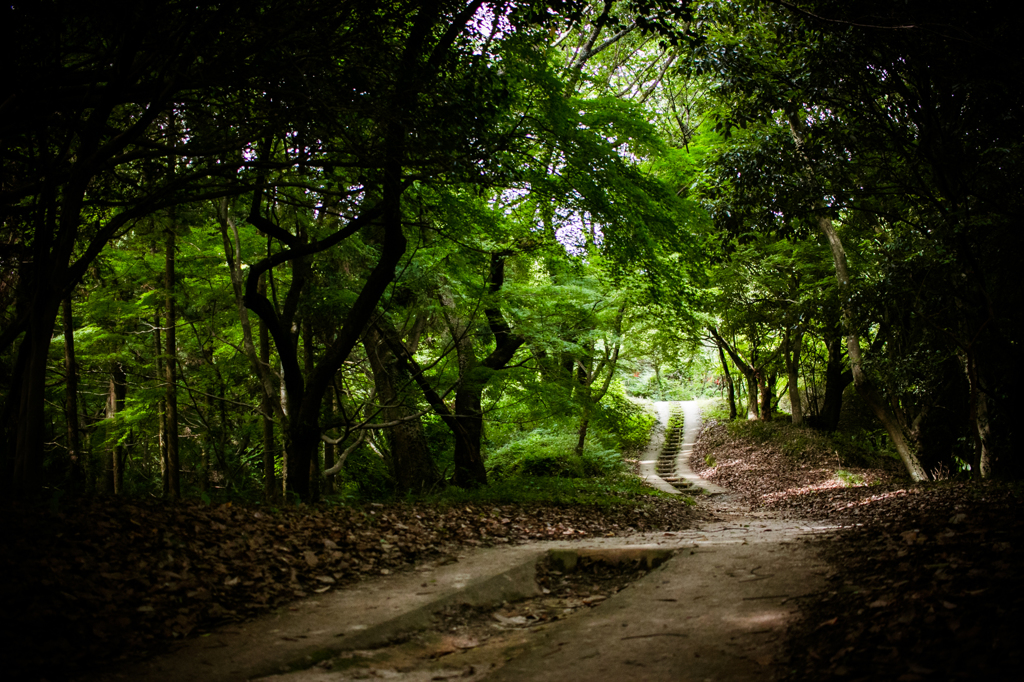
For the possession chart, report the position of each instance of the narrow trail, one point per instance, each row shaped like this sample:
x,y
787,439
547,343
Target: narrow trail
x,y
666,461
718,610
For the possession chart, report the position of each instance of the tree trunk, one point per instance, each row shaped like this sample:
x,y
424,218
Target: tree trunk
x,y
794,345
728,382
409,459
748,370
171,371
581,441
836,380
271,490
865,387
76,471
978,416
752,388
766,387
331,450
469,463
115,404
309,366
27,472
591,371
467,442
161,407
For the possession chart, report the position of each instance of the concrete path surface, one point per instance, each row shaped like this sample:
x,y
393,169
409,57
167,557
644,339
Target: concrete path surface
x,y
649,458
718,610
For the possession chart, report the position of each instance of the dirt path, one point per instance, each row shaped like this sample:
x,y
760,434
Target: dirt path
x,y
718,610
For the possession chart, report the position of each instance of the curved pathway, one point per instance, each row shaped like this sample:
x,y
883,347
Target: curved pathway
x,y
719,610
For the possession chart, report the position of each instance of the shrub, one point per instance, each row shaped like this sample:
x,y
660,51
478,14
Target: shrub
x,y
364,476
848,479
550,453
630,422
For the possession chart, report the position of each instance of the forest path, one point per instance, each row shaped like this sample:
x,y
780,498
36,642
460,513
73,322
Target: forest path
x,y
665,463
718,610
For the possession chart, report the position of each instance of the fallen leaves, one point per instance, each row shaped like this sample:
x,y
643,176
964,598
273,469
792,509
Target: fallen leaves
x,y
113,578
923,574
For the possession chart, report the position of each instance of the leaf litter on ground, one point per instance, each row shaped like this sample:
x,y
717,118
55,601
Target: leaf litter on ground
x,y
112,579
925,580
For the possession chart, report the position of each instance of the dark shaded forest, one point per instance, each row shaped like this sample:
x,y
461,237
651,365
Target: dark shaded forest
x,y
254,249
268,268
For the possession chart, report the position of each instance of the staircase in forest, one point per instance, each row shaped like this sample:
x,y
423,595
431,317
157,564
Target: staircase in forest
x,y
669,455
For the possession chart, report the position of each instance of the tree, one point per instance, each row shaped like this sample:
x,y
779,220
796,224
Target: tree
x,y
887,136
87,129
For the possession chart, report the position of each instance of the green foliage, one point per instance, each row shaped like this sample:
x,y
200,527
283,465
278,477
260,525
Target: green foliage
x,y
715,409
849,480
600,491
854,449
549,453
365,476
629,421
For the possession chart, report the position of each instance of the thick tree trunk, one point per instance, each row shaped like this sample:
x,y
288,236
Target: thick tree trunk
x,y
837,378
752,393
26,478
467,421
766,387
469,463
171,371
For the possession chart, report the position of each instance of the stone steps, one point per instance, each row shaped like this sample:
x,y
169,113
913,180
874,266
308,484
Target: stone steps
x,y
666,466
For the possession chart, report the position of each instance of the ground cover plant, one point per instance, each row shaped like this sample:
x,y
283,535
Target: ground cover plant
x,y
771,464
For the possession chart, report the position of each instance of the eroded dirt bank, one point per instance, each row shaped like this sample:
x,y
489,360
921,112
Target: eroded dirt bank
x,y
924,579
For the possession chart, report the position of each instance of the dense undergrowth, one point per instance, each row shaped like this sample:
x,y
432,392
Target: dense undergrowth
x,y
620,427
